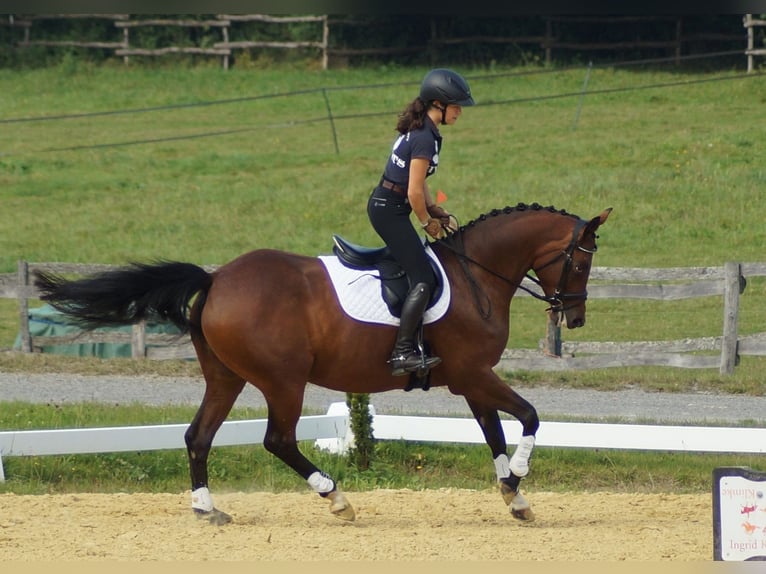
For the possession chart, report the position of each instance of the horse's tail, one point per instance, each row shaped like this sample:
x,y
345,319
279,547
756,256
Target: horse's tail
x,y
159,291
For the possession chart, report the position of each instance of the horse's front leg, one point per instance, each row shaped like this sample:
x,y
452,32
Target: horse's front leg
x,y
509,471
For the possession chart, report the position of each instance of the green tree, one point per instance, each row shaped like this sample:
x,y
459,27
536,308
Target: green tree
x,y
361,455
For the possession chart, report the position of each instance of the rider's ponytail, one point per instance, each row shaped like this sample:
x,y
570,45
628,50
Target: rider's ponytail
x,y
412,117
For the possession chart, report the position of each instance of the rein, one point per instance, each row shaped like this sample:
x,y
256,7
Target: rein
x,y
454,243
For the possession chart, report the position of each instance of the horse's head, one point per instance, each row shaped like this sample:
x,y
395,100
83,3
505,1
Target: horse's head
x,y
565,277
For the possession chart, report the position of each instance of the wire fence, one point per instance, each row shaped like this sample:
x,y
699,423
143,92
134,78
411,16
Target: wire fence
x,y
333,118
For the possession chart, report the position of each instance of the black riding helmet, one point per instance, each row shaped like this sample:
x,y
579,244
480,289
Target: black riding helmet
x,y
446,86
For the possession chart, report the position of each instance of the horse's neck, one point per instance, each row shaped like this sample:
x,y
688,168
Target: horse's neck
x,y
508,244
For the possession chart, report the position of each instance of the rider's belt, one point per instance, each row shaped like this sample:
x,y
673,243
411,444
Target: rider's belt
x,y
395,187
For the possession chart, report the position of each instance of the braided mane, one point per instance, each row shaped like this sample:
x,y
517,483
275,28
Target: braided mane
x,y
518,207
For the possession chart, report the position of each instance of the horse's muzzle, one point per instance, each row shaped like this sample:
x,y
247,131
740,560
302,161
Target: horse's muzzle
x,y
575,323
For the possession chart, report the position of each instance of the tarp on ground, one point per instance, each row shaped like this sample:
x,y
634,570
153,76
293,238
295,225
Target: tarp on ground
x,y
46,321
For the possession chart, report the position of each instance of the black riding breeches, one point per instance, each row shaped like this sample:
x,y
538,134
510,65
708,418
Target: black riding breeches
x,y
389,213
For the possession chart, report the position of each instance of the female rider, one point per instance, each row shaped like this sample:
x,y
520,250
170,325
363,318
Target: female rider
x,y
403,190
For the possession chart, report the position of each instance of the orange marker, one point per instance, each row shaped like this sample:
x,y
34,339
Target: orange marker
x,y
441,197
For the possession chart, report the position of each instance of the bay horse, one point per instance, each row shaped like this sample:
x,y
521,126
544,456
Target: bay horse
x,y
273,319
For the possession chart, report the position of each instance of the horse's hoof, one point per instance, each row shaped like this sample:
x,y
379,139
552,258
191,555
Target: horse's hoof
x,y
523,514
520,509
517,504
215,516
340,507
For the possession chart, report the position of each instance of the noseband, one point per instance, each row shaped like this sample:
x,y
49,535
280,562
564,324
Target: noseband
x,y
559,297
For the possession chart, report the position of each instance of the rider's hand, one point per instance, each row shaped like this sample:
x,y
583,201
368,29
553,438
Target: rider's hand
x,y
438,212
451,226
434,228
447,220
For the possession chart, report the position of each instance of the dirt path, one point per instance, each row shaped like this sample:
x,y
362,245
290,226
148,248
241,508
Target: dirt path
x,y
434,525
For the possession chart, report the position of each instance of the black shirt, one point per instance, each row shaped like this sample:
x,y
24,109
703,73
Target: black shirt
x,y
422,143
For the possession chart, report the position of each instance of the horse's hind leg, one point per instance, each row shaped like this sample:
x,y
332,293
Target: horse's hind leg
x,y
280,440
221,391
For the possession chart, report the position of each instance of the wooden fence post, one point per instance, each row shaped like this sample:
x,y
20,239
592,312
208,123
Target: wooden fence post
x,y
553,335
22,286
325,41
138,340
733,286
748,23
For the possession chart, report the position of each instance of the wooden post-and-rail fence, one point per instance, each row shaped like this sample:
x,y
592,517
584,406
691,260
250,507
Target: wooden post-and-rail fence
x,y
667,284
123,23
554,34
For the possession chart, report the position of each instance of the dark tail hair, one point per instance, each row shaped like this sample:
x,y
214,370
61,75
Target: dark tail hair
x,y
160,291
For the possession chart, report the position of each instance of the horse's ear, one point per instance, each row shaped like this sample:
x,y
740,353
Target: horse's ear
x,y
597,221
604,215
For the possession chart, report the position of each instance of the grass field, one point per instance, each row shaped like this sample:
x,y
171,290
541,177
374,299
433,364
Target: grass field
x,y
679,164
202,165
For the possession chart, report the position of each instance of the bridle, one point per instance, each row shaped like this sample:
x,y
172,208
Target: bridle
x,y
557,300
559,297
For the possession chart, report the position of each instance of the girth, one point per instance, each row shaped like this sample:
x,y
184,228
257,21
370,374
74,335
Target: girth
x,y
393,281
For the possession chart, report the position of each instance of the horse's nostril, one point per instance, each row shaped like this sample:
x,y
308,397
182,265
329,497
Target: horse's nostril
x,y
576,323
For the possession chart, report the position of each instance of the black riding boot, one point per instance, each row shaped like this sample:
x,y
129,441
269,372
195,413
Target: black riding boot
x,y
405,358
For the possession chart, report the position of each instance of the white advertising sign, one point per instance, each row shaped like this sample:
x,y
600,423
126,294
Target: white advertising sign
x,y
739,514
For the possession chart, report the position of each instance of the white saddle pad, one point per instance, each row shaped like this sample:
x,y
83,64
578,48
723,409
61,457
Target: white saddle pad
x,y
360,296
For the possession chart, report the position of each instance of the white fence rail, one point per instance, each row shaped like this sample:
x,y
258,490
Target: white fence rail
x,y
154,437
332,431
